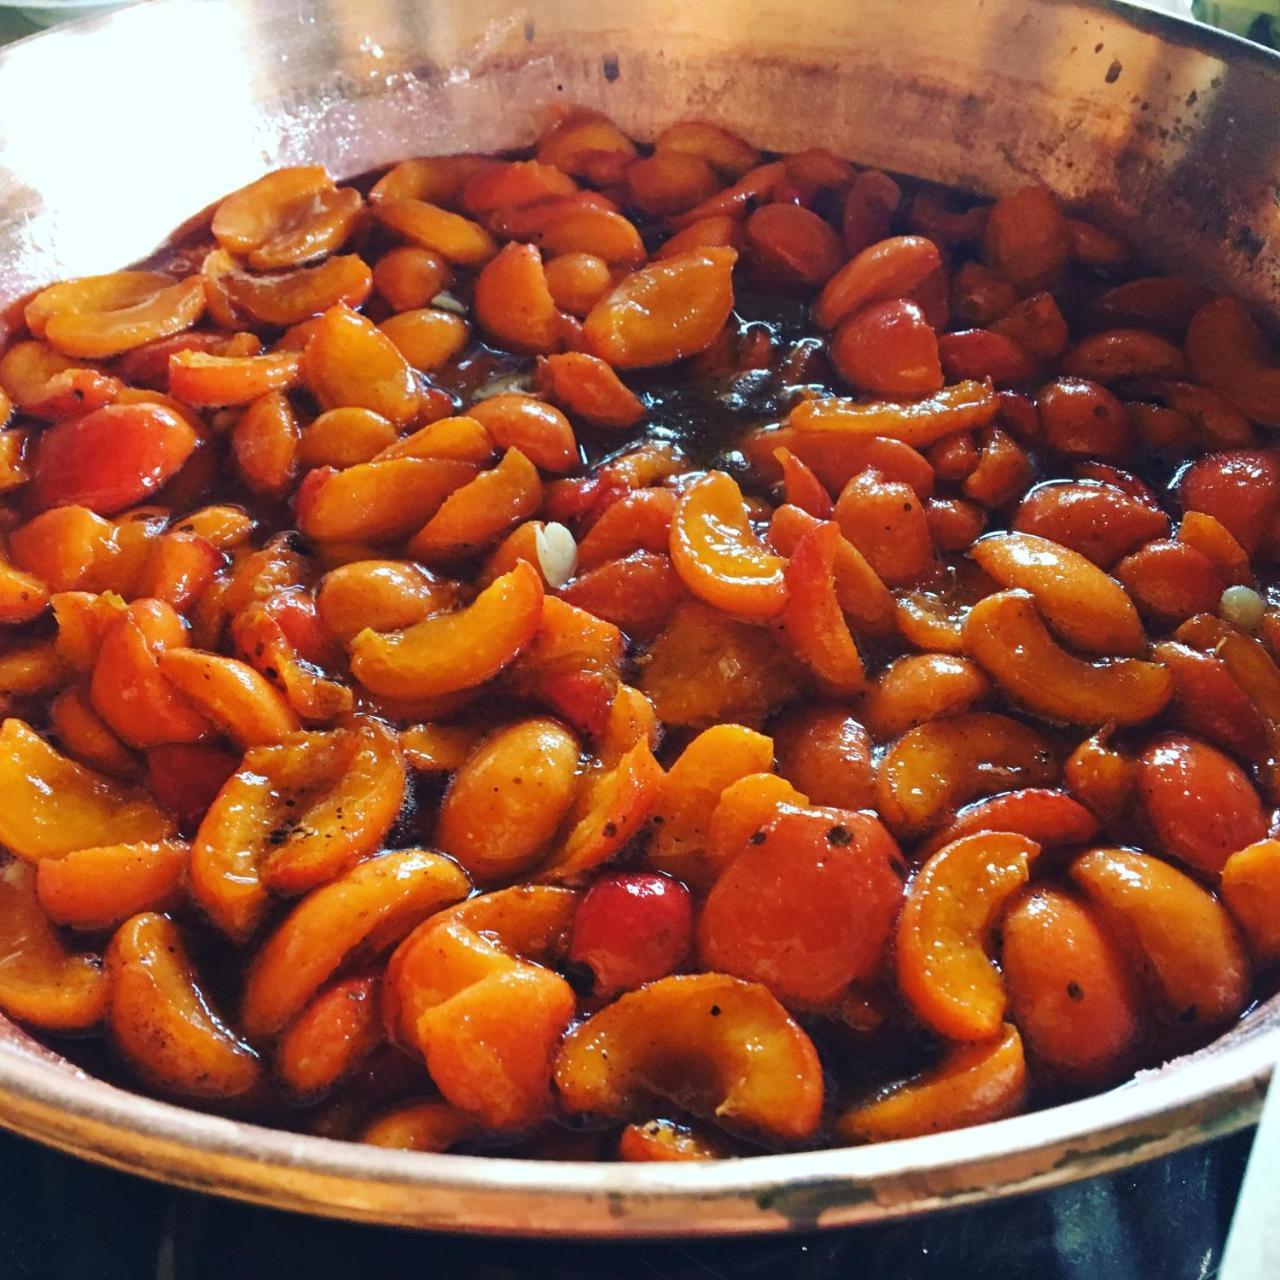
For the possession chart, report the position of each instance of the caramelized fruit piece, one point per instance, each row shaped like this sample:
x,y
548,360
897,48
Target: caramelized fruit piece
x,y
944,968
920,422
611,808
110,458
485,1022
807,908
53,806
938,766
161,1020
330,1037
1085,606
1005,634
453,651
1183,943
718,556
294,815
381,899
1250,887
705,668
755,1069
973,1084
1199,801
98,888
716,758
664,311
42,982
1069,990
508,799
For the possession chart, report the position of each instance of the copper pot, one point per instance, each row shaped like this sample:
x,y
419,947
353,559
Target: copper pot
x,y
112,131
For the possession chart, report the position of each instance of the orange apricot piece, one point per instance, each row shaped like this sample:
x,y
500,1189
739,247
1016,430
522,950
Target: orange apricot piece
x,y
378,501
539,430
508,799
725,151
919,423
663,312
1250,886
231,694
458,240
1006,636
111,458
705,667
481,510
99,887
409,277
718,556
1026,239
381,899
807,907
294,296
288,216
1069,990
973,1084
1183,943
939,765
486,1023
811,617
438,748
951,906
513,303
1047,816
127,688
161,1020
453,651
350,361
203,380
42,981
756,1070
22,595
888,269
862,594
801,488
459,438
577,281
419,1126
611,807
54,805
1087,607
1200,803
1230,353
666,1141
330,1037
383,595
589,389
428,337
919,687
100,316
85,735
690,791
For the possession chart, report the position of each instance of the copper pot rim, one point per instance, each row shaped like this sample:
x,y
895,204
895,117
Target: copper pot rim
x,y
1211,1094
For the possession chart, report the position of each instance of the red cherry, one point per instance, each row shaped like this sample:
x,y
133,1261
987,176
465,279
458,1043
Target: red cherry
x,y
631,928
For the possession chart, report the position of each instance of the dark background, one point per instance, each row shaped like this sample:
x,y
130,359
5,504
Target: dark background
x,y
61,1219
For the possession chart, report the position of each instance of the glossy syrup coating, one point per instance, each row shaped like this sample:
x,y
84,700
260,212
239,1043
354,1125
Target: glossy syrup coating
x,y
718,652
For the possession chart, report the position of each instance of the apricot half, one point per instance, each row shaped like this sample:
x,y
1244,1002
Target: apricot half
x,y
714,1045
944,968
